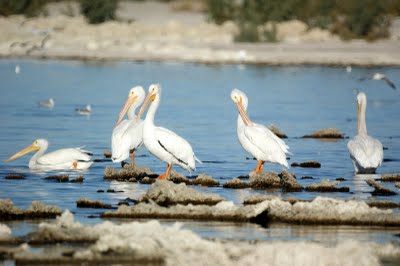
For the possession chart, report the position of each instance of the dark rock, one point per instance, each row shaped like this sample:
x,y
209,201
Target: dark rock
x,y
205,180
78,179
384,204
236,183
307,177
37,210
107,153
277,132
86,203
256,199
326,186
379,189
340,179
390,178
326,133
123,203
100,191
14,176
289,182
59,178
310,164
114,191
128,173
178,178
147,180
264,180
134,201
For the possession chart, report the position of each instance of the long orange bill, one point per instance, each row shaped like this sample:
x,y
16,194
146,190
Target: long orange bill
x,y
149,97
128,104
243,114
22,152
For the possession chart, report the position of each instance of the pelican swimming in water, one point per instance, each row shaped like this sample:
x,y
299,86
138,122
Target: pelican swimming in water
x,y
47,103
128,134
365,151
84,111
257,139
62,159
163,143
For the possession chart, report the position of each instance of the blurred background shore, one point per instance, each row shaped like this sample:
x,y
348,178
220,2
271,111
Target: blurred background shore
x,y
329,32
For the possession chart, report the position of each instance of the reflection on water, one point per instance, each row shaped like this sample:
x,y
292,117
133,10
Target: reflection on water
x,y
195,104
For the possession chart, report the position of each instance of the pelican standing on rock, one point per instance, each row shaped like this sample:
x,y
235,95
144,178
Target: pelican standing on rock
x,y
128,134
62,159
365,151
163,143
257,139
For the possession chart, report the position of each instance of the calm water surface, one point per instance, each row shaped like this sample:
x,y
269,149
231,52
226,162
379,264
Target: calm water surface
x,y
195,104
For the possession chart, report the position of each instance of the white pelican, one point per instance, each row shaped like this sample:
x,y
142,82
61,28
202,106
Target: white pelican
x,y
62,159
163,143
365,151
84,111
47,103
128,135
380,76
257,139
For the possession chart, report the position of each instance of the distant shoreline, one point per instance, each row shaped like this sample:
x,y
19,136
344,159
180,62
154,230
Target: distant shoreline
x,y
338,54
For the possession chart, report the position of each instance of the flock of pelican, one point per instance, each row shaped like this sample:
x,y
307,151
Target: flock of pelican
x,y
131,133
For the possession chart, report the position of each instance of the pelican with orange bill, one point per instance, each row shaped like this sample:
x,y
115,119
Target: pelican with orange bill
x,y
62,159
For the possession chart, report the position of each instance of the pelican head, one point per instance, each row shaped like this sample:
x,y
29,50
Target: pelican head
x,y
153,94
35,146
136,95
241,101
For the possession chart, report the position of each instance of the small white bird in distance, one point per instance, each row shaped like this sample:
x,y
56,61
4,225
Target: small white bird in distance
x,y
84,111
380,76
17,69
47,103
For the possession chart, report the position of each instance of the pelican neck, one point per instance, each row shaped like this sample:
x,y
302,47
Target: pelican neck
x,y
362,128
36,156
152,110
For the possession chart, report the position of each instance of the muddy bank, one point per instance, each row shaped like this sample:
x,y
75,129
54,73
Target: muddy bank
x,y
63,37
320,211
154,244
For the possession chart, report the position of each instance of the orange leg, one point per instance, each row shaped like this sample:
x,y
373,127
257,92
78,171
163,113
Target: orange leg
x,y
75,164
133,157
166,174
259,167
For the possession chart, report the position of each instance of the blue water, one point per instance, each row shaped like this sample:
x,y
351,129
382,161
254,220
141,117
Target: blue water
x,y
195,104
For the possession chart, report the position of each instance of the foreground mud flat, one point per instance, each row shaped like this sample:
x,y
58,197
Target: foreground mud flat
x,y
66,241
150,243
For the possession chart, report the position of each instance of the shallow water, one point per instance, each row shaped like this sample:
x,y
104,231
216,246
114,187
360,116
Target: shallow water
x,y
195,104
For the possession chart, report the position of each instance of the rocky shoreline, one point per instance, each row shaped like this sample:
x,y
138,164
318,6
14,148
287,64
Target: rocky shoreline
x,y
71,38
